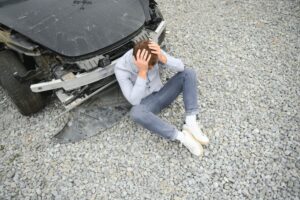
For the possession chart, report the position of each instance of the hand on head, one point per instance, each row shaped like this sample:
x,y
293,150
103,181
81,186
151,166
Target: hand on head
x,y
155,49
147,54
142,59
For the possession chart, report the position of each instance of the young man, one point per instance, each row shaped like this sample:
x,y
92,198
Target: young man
x,y
137,73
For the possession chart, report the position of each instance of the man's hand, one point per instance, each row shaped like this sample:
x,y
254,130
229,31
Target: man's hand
x,y
141,61
156,50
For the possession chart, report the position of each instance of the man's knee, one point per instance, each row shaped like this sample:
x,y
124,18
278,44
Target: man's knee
x,y
189,72
137,113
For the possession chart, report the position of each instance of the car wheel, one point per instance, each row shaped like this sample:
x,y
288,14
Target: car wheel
x,y
25,100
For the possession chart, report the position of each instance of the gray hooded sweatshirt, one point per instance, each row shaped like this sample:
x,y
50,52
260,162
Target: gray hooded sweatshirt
x,y
135,88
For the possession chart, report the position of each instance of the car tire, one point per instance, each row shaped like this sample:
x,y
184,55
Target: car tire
x,y
25,100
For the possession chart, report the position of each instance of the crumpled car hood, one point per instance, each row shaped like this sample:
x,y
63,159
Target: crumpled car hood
x,y
73,27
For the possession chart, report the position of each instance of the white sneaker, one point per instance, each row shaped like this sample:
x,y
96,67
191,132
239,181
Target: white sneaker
x,y
197,133
192,145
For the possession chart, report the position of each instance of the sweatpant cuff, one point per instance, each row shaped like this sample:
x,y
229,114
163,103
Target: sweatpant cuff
x,y
192,112
174,135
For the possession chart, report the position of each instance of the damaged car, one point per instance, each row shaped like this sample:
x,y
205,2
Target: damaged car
x,y
69,47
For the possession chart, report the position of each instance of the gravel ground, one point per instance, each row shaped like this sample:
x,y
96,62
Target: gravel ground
x,y
246,54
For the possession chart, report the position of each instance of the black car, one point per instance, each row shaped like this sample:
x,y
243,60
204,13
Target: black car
x,y
68,46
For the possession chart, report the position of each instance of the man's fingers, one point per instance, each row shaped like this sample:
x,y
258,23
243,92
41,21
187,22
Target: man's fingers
x,y
149,57
143,54
155,52
155,48
153,45
152,42
138,54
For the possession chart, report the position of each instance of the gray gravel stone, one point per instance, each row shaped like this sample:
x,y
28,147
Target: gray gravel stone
x,y
246,55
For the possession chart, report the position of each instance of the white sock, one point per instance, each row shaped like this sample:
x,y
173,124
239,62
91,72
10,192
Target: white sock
x,y
180,136
190,120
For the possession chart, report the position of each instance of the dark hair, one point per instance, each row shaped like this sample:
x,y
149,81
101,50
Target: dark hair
x,y
144,45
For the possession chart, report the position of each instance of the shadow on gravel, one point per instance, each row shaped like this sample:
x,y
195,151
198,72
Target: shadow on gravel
x,y
94,116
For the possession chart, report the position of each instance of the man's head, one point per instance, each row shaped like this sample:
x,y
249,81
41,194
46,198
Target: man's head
x,y
144,45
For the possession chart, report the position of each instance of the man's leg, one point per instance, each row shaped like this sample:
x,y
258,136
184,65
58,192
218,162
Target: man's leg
x,y
185,82
146,118
145,113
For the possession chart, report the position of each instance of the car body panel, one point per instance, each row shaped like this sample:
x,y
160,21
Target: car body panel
x,y
73,27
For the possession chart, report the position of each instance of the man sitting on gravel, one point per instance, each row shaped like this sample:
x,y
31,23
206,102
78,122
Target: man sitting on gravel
x,y
137,72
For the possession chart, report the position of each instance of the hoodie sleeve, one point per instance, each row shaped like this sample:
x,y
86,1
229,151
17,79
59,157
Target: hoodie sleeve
x,y
174,64
132,92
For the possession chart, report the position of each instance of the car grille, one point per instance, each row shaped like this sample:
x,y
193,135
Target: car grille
x,y
92,63
118,52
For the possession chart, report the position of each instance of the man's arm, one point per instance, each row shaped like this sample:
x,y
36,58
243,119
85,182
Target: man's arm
x,y
132,92
168,61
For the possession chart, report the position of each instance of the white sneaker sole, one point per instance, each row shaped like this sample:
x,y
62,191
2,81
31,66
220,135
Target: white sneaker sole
x,y
185,127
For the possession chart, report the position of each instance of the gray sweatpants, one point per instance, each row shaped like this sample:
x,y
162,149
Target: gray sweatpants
x,y
145,113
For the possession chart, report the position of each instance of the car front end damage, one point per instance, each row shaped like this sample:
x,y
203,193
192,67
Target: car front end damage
x,y
75,79
73,54
74,85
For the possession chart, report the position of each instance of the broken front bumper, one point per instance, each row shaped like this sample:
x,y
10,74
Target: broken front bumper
x,y
72,81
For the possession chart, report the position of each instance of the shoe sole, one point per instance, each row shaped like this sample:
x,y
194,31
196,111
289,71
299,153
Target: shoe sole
x,y
190,131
